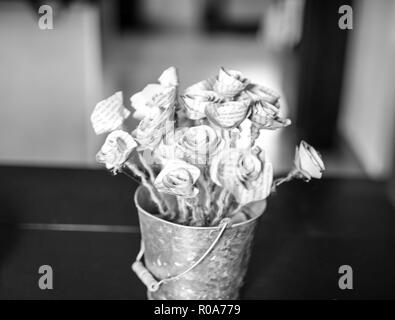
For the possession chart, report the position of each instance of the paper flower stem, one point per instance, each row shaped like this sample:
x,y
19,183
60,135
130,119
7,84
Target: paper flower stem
x,y
130,176
183,216
190,205
223,198
234,136
290,176
225,135
151,175
197,212
131,166
208,196
236,210
255,132
147,167
205,184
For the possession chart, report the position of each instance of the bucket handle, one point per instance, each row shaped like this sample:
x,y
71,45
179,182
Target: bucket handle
x,y
148,279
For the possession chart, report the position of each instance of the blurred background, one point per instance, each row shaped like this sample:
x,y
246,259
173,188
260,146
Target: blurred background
x,y
337,84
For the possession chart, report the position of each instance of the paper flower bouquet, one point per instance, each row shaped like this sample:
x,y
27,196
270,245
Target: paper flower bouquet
x,y
197,156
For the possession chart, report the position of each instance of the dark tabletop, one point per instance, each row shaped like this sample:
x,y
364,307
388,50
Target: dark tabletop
x,y
83,223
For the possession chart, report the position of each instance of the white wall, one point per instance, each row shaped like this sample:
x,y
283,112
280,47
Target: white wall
x,y
368,117
49,82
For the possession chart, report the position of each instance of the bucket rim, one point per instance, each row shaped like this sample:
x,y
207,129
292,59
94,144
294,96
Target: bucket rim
x,y
140,209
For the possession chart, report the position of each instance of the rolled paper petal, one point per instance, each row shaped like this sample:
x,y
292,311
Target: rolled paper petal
x,y
109,114
308,161
193,109
244,96
261,93
143,108
230,82
249,168
315,155
247,175
169,77
262,187
223,166
199,144
160,96
116,150
150,131
265,116
147,136
195,103
205,85
178,178
228,114
155,98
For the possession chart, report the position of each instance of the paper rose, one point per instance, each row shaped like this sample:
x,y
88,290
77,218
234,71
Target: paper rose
x,y
266,116
260,93
228,114
155,98
308,161
109,114
178,178
199,144
230,82
248,175
151,129
116,150
195,103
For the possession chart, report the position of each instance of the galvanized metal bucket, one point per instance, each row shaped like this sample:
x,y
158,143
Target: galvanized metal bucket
x,y
183,262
